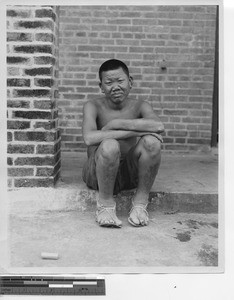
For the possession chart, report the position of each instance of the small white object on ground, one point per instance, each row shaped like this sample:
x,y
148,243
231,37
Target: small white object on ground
x,y
47,255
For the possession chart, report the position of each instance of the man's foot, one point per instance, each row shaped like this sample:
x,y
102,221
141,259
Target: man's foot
x,y
138,215
106,217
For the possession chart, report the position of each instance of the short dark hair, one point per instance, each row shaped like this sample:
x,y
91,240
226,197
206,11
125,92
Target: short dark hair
x,y
112,64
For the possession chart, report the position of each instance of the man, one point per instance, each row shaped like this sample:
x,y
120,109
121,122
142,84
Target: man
x,y
124,143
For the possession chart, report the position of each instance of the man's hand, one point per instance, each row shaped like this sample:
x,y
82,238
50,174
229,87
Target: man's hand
x,y
112,125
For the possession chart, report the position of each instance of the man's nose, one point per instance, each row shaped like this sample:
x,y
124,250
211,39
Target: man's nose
x,y
115,86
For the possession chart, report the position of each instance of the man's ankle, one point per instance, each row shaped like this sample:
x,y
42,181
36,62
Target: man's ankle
x,y
106,203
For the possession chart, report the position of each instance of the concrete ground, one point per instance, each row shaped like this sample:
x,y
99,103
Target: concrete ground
x,y
183,229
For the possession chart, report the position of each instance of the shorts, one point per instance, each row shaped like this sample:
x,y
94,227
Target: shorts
x,y
127,176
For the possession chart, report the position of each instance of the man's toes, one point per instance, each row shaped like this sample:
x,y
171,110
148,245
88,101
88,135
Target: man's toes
x,y
145,223
118,222
135,220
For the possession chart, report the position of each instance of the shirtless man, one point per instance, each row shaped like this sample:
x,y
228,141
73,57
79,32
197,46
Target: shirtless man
x,y
124,143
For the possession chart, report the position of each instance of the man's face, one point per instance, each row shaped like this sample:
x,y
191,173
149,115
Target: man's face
x,y
116,85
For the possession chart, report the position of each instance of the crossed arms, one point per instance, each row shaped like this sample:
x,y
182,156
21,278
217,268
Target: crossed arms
x,y
119,129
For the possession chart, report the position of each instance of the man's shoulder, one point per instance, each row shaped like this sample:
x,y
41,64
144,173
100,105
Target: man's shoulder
x,y
138,103
95,102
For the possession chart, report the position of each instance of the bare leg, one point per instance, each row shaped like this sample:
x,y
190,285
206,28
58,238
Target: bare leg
x,y
148,154
107,163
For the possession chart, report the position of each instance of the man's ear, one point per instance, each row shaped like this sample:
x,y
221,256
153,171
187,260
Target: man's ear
x,y
100,85
131,81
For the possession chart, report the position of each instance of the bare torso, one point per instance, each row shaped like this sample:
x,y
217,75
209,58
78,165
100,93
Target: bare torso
x,y
131,110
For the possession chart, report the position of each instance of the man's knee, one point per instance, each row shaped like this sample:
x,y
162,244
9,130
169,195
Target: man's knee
x,y
109,149
151,144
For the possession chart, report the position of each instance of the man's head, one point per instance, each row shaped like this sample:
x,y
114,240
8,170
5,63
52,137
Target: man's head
x,y
115,81
112,64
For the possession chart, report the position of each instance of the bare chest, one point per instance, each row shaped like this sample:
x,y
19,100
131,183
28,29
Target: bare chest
x,y
106,115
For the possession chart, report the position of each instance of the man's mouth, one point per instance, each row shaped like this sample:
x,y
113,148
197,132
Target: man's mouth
x,y
117,95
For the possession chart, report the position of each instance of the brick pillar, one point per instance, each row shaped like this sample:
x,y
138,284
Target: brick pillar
x,y
32,92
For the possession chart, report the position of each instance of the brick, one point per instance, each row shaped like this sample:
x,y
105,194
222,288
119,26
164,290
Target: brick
x,y
9,183
32,93
178,133
141,49
194,134
17,60
204,113
44,37
36,136
35,161
189,105
20,172
176,147
12,71
206,135
18,13
75,12
31,182
32,114
43,104
18,82
73,96
45,13
34,49
199,141
44,60
45,149
180,140
120,21
9,136
199,127
130,14
191,120
74,82
197,99
115,48
18,103
90,48
38,71
45,172
44,82
47,125
12,148
34,24
104,14
9,161
19,37
18,124
189,92
67,138
175,112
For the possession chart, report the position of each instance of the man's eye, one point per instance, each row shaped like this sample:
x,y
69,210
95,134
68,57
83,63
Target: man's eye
x,y
120,80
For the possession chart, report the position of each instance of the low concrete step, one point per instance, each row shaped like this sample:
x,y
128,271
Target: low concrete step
x,y
185,183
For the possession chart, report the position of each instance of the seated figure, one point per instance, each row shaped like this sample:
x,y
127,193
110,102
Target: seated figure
x,y
124,146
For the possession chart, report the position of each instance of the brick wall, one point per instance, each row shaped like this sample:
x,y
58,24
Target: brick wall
x,y
170,53
32,81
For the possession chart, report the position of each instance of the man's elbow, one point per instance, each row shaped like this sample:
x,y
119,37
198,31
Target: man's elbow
x,y
87,140
161,128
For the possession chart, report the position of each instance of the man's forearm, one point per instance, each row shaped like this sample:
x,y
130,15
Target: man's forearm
x,y
97,136
141,125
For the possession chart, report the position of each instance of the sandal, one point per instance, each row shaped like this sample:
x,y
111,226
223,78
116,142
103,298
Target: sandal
x,y
112,213
142,208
